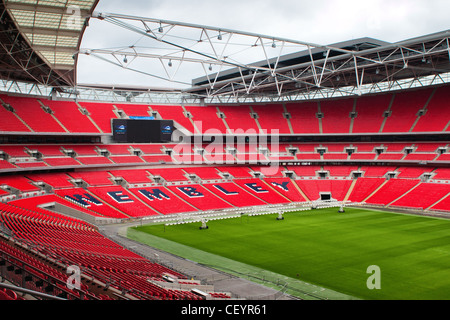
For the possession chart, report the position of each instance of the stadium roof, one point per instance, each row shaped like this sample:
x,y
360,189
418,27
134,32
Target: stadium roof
x,y
292,59
260,68
346,66
40,38
40,44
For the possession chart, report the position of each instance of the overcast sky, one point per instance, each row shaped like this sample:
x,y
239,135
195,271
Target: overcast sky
x,y
317,21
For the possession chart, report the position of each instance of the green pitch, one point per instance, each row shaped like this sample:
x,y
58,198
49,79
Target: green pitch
x,y
331,250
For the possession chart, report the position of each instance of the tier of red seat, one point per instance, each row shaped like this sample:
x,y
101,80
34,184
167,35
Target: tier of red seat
x,y
215,193
65,183
23,156
368,115
72,241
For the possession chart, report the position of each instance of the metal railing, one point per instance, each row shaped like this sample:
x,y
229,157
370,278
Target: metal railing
x,y
30,292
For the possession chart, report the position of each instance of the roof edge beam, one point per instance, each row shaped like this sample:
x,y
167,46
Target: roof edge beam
x,y
41,48
50,32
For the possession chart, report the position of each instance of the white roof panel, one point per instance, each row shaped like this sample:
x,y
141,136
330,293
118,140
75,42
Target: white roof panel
x,y
53,28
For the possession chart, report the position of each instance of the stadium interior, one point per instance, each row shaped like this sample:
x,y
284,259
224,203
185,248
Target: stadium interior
x,y
63,176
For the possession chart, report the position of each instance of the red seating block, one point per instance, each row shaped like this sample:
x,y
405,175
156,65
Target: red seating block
x,y
392,190
70,116
370,111
336,117
93,178
239,118
101,113
207,120
423,196
286,187
433,120
162,200
234,194
81,198
404,109
56,180
313,188
364,187
125,201
30,111
199,197
261,190
303,117
270,118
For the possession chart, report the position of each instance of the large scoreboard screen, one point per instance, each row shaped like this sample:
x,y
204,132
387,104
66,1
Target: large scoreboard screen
x,y
142,130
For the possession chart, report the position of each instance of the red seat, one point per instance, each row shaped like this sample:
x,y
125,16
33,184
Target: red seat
x,y
6,294
11,294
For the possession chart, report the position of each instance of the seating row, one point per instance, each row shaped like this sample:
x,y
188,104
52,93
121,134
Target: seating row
x,y
33,182
56,156
101,197
420,110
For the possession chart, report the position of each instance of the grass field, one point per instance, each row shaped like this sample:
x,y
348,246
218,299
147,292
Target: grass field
x,y
333,250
